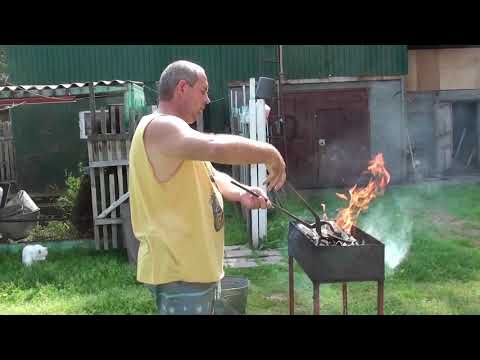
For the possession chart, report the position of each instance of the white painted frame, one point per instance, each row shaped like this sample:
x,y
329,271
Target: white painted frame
x,y
258,172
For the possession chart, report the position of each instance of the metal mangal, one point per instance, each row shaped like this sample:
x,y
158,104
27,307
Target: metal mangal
x,y
332,264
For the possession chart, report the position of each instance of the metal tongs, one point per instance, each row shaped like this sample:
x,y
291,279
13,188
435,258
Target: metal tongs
x,y
317,225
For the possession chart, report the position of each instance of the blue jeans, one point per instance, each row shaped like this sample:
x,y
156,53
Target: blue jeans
x,y
182,298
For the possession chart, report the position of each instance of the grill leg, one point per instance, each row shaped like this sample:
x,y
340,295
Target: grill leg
x,y
380,298
345,299
316,298
291,290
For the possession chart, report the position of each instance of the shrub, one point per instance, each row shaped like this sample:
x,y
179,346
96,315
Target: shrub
x,y
66,202
82,217
74,204
54,230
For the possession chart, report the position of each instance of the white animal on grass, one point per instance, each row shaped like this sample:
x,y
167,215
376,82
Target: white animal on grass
x,y
33,253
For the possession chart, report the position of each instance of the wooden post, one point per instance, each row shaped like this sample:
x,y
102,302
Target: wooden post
x,y
10,151
380,298
131,130
291,286
345,298
118,148
111,177
316,298
91,157
7,150
2,172
103,200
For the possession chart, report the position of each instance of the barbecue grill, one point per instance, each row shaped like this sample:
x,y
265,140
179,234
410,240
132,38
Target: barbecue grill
x,y
327,254
333,264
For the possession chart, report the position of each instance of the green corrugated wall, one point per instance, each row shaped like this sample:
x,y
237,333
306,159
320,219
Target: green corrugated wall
x,y
42,163
319,61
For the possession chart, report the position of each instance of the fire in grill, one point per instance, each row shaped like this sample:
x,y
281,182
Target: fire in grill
x,y
338,251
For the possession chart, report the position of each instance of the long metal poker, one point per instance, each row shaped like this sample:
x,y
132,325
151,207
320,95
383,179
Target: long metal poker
x,y
314,213
274,205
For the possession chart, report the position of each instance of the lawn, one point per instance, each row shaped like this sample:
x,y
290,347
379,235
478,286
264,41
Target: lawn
x,y
431,233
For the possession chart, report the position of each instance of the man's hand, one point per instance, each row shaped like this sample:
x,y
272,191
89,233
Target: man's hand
x,y
276,171
252,202
276,167
267,111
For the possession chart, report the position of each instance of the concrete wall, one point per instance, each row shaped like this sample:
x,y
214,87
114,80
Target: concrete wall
x,y
387,124
420,123
420,115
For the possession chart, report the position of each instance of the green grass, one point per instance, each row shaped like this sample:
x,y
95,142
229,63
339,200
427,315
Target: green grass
x,y
72,281
439,272
235,233
436,226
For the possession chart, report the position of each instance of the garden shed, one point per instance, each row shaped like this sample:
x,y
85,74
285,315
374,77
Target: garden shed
x,y
107,130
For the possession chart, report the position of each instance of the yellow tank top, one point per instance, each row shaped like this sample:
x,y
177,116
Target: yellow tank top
x,y
179,223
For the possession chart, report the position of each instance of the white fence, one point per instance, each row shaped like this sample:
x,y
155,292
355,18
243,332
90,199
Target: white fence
x,y
248,120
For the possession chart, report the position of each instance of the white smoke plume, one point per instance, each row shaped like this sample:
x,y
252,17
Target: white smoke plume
x,y
392,224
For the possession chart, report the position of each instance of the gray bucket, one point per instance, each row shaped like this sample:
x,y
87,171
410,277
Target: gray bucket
x,y
234,296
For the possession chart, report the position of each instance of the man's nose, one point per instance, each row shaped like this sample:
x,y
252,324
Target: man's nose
x,y
207,101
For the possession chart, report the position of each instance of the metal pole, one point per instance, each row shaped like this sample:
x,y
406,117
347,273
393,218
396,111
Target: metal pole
x,y
281,79
405,122
92,108
380,298
280,50
345,300
291,290
316,298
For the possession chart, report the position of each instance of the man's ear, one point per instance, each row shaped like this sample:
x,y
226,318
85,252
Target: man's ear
x,y
181,86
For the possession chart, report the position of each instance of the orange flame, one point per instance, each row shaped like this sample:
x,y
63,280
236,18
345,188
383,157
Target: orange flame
x,y
361,197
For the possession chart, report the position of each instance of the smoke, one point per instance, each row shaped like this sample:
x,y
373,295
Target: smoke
x,y
391,223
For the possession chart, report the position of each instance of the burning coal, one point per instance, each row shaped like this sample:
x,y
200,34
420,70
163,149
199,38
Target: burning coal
x,y
328,238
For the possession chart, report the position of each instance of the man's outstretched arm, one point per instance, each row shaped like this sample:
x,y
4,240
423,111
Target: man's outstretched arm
x,y
233,193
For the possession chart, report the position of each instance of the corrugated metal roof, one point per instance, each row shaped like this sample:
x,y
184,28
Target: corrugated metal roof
x,y
65,86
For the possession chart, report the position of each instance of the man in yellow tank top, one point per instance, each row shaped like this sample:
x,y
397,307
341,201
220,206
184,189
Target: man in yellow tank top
x,y
176,195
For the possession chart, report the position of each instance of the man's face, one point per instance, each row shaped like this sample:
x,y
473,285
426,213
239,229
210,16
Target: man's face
x,y
196,98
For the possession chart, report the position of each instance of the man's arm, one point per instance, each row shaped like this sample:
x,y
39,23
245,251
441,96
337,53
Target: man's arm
x,y
235,194
228,190
172,137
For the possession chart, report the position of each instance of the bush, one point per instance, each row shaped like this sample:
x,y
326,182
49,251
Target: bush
x,y
54,230
82,217
66,202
